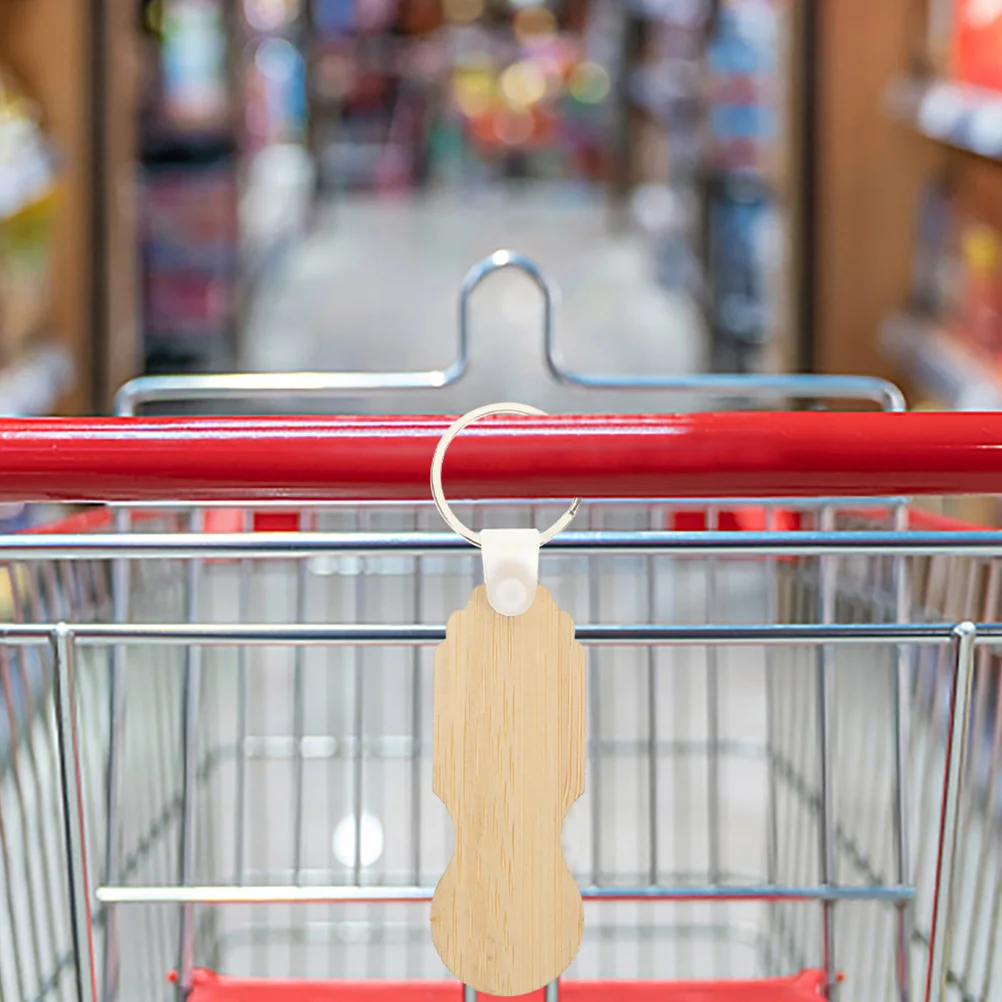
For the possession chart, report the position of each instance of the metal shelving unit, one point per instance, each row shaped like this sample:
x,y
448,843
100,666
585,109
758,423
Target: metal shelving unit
x,y
966,118
712,255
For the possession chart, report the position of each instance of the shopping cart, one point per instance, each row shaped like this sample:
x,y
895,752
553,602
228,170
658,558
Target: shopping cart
x,y
217,694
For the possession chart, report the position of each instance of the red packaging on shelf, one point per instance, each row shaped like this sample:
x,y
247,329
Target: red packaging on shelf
x,y
977,43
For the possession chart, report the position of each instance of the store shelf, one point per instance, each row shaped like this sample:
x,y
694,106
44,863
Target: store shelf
x,y
941,366
33,385
967,118
656,94
684,14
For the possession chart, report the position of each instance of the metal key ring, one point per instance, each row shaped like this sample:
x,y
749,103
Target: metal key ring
x,y
438,494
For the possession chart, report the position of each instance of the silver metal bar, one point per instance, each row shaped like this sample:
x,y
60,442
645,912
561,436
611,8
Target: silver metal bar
x,y
499,261
694,503
191,702
552,993
321,747
298,729
285,545
949,589
163,791
48,870
279,387
938,585
900,709
797,851
358,726
416,730
652,721
863,747
826,746
988,843
944,893
85,970
469,994
771,727
391,635
325,385
714,805
975,816
120,575
682,803
791,758
752,387
9,895
594,721
712,710
240,807
298,711
7,697
420,895
92,761
756,387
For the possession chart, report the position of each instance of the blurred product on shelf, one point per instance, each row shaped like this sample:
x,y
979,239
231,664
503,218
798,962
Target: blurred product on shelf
x,y
956,95
189,250
950,338
960,115
706,80
957,271
743,251
275,208
743,63
666,86
977,43
410,92
275,94
741,153
194,65
929,285
189,175
978,312
669,214
269,17
28,211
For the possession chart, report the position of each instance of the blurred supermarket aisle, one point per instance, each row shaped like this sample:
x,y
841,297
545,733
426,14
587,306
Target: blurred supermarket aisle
x,y
375,287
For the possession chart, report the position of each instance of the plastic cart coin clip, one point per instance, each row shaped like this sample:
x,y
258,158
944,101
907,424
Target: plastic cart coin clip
x,y
510,556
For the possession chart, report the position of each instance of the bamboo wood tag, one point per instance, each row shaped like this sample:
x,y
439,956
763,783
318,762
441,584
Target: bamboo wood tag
x,y
508,762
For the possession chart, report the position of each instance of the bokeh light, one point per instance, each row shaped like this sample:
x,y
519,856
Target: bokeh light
x,y
473,93
589,83
534,22
269,15
513,128
463,11
277,59
523,84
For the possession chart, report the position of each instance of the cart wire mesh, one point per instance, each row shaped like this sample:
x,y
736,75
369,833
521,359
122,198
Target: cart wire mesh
x,y
742,817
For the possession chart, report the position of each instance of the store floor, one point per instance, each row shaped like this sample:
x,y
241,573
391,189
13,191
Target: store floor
x,y
375,286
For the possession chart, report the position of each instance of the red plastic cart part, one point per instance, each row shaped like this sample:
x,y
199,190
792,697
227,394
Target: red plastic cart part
x,y
210,987
789,454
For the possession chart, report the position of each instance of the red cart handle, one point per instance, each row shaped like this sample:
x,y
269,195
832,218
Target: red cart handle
x,y
791,454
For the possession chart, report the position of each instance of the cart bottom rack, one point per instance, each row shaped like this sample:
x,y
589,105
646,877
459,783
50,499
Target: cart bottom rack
x,y
210,987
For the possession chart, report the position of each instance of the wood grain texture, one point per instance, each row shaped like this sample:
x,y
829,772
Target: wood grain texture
x,y
508,762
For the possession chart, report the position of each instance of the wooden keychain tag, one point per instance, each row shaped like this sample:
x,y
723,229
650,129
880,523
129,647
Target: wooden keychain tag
x,y
508,761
